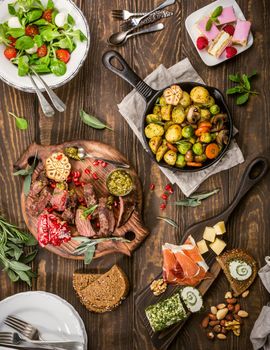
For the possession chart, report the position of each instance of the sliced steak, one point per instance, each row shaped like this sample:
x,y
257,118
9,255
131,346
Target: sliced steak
x,y
106,219
59,199
126,208
35,204
83,225
89,195
69,215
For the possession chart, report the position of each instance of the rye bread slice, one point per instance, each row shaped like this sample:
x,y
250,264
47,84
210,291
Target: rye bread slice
x,y
82,280
238,254
106,292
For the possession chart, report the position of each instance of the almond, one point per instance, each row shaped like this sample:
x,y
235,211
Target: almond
x,y
212,317
245,294
217,328
221,306
231,300
242,313
213,323
221,336
213,310
222,313
210,335
228,295
237,307
205,322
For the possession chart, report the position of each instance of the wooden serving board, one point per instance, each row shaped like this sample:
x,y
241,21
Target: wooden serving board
x,y
133,229
256,169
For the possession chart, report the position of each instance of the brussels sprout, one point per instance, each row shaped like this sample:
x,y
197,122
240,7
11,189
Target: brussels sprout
x,y
187,131
174,133
162,101
214,136
206,137
161,151
153,129
156,110
178,114
200,159
185,100
167,125
184,146
153,118
210,102
192,140
166,112
197,148
189,156
199,94
214,109
154,143
205,114
170,157
180,161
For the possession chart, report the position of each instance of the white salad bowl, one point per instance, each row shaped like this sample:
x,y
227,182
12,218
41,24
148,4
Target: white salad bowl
x,y
9,71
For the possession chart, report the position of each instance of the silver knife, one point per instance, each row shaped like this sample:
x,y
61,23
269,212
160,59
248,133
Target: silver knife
x,y
24,347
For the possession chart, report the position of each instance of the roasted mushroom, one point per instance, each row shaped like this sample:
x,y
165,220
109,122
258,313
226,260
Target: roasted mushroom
x,y
222,137
218,122
193,114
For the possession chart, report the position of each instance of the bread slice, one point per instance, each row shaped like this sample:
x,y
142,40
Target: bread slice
x,y
103,293
224,260
82,280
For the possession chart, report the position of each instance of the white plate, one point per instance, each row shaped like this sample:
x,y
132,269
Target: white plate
x,y
194,33
53,316
9,72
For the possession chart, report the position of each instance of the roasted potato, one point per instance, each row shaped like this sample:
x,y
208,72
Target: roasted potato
x,y
153,118
170,157
199,94
167,125
154,143
205,114
174,133
163,148
153,129
166,112
162,101
185,100
156,110
178,114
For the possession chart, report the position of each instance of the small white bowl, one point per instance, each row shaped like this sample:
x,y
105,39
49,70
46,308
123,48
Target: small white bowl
x,y
194,32
9,72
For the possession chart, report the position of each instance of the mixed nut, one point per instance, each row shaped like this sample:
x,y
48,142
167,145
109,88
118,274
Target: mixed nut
x,y
158,286
225,317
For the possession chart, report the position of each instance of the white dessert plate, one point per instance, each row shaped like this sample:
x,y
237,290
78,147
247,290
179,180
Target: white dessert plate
x,y
54,317
194,32
9,72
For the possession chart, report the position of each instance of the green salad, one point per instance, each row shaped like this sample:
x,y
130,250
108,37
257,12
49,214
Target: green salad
x,y
39,37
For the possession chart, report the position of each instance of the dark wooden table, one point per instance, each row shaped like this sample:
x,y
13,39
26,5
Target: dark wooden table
x,y
98,91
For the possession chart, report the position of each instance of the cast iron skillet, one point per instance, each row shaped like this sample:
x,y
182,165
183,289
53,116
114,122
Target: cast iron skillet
x,y
150,95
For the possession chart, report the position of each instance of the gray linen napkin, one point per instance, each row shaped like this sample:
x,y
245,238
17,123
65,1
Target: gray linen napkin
x,y
132,108
260,334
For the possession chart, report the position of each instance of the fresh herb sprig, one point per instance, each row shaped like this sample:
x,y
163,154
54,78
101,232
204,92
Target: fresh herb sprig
x,y
88,246
28,175
21,122
243,87
168,220
195,199
92,121
89,211
214,18
13,256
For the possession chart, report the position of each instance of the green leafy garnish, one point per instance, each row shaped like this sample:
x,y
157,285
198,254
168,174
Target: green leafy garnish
x,y
92,121
13,255
89,211
21,122
168,220
28,175
213,18
243,87
88,246
195,199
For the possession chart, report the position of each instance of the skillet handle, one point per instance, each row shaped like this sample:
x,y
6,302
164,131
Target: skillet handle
x,y
254,172
126,73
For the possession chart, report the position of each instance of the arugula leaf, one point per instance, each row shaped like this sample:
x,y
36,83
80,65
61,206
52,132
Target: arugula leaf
x,y
24,43
49,34
16,32
38,40
58,67
34,15
242,99
244,87
3,39
11,9
70,20
92,121
23,69
41,68
50,5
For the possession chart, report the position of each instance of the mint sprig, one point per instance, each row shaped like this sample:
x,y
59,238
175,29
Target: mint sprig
x,y
214,18
243,87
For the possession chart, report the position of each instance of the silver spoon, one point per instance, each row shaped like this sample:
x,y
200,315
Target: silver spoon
x,y
154,28
117,38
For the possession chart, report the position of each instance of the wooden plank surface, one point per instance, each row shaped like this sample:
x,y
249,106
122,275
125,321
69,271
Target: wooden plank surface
x,y
98,91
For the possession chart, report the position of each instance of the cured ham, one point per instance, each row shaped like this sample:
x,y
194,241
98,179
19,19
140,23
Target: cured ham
x,y
183,264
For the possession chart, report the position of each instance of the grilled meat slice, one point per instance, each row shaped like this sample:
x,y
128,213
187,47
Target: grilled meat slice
x,y
83,225
59,199
35,204
89,195
106,219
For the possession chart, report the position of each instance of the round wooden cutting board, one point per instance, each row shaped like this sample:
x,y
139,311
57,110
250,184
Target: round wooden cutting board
x,y
132,229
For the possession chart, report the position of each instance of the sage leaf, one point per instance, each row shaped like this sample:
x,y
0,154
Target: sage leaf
x,y
92,121
217,12
89,254
242,99
27,184
202,196
18,266
24,277
209,25
168,220
29,257
12,275
195,199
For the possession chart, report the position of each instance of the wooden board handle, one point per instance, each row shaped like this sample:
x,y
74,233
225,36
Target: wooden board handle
x,y
33,150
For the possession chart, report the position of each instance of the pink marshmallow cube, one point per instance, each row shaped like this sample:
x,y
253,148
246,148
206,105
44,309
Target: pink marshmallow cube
x,y
241,32
227,16
212,33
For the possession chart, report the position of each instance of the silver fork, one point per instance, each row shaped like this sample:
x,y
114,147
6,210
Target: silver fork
x,y
14,341
124,14
32,334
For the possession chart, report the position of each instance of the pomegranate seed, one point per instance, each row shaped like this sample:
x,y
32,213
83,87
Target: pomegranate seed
x,y
95,176
171,191
78,183
163,206
72,173
83,183
100,161
69,179
152,187
95,162
77,174
87,171
104,164
53,184
89,217
81,200
59,157
168,187
164,196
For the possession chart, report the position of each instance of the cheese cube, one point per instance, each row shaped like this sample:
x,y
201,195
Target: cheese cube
x,y
202,246
209,234
218,246
220,228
